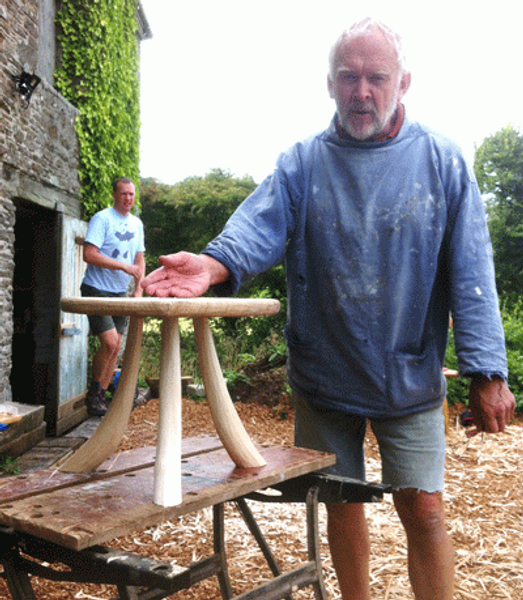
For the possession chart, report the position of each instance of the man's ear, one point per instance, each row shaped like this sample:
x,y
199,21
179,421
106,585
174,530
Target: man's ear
x,y
404,84
330,86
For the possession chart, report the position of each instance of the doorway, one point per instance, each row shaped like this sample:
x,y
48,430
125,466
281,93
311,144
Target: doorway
x,y
35,306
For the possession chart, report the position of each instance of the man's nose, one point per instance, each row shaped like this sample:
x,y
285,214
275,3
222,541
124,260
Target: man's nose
x,y
362,89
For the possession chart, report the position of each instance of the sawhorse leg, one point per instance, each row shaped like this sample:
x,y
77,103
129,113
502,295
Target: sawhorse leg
x,y
18,580
284,584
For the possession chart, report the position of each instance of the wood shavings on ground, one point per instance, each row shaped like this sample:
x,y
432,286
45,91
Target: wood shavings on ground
x,y
484,480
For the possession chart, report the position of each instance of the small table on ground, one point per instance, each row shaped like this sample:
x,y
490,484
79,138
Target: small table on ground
x,y
167,480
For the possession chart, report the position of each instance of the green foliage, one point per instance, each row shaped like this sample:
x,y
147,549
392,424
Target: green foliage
x,y
499,170
457,388
98,74
9,466
512,317
512,313
189,214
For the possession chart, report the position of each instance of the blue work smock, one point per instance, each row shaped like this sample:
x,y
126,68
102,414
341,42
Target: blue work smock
x,y
381,242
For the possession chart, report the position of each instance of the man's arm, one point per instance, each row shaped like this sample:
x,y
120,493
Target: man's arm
x,y
139,261
93,256
184,275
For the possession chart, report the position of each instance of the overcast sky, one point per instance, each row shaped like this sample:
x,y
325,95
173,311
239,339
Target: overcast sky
x,y
232,83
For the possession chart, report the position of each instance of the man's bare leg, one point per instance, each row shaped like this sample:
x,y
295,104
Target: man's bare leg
x,y
431,561
104,361
350,549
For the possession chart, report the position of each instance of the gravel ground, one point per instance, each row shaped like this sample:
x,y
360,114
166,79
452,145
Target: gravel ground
x,y
484,511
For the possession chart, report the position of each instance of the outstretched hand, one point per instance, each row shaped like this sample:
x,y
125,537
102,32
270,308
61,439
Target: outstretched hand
x,y
491,403
182,275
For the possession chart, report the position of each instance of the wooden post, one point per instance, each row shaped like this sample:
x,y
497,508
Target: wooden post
x,y
167,468
106,438
228,425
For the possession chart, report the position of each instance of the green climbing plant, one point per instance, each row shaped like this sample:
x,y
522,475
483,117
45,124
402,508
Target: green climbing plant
x,y
99,74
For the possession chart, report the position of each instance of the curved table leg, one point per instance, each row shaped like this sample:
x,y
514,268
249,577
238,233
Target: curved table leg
x,y
167,466
112,428
228,425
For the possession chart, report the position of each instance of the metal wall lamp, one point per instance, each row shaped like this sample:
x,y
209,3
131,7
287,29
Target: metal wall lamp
x,y
26,85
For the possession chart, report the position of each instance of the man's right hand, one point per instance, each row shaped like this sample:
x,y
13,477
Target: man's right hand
x,y
134,271
182,275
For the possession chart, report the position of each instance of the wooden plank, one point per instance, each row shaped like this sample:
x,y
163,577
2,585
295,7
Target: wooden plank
x,y
31,484
93,512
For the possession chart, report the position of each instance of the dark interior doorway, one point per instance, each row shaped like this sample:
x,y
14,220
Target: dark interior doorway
x,y
35,301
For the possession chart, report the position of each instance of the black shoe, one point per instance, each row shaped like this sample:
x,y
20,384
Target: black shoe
x,y
96,407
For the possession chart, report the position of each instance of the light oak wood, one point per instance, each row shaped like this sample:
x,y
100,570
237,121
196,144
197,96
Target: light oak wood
x,y
167,469
228,425
167,481
10,419
106,438
172,307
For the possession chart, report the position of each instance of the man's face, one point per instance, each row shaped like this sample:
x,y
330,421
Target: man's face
x,y
367,85
124,198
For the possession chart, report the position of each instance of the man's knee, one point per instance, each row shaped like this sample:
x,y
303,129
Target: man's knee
x,y
421,512
110,342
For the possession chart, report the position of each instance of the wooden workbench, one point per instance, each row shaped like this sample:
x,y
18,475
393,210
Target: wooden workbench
x,y
58,517
83,509
64,517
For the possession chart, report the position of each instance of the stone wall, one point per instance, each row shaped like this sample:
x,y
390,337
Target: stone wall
x,y
38,149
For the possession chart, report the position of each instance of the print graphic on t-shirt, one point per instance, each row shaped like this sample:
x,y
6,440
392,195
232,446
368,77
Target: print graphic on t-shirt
x,y
126,235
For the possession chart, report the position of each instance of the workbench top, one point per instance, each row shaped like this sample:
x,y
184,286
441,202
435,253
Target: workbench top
x,y
78,510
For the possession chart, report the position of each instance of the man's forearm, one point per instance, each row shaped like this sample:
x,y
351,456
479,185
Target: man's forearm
x,y
93,256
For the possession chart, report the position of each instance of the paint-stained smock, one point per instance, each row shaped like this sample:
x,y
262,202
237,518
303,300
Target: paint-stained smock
x,y
381,241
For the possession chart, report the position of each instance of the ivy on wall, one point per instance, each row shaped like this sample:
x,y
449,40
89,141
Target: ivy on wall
x,y
98,74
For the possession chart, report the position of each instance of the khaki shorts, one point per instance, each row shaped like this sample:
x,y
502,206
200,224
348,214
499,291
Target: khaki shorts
x,y
100,323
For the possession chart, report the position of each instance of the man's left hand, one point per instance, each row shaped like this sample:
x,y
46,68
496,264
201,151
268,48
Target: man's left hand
x,y
491,403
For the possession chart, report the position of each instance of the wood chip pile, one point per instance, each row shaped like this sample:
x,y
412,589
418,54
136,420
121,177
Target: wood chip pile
x,y
484,511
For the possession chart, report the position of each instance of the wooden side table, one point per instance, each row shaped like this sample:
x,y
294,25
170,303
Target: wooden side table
x,y
167,480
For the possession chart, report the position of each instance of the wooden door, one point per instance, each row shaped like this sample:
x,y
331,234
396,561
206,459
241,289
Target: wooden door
x,y
73,329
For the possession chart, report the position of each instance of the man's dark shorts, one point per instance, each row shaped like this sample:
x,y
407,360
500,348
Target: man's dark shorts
x,y
100,323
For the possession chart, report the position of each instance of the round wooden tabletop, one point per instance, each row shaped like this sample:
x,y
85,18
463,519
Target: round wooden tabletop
x,y
172,307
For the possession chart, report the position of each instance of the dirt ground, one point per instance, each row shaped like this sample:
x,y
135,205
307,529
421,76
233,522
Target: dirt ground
x,y
484,512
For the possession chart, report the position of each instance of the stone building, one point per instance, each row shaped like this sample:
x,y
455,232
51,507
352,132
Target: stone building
x,y
43,352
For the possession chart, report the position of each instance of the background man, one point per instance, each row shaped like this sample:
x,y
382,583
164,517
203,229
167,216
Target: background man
x,y
114,252
382,229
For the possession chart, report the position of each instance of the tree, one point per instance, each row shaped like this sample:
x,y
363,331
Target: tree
x,y
188,215
498,166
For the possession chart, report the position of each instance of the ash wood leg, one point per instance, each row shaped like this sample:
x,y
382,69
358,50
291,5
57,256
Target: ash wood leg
x,y
228,425
167,468
112,428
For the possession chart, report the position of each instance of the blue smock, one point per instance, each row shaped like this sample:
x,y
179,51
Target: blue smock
x,y
381,242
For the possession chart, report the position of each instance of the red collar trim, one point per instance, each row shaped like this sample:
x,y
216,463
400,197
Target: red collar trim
x,y
398,119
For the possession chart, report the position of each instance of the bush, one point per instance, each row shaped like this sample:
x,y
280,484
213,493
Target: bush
x,y
512,313
512,317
